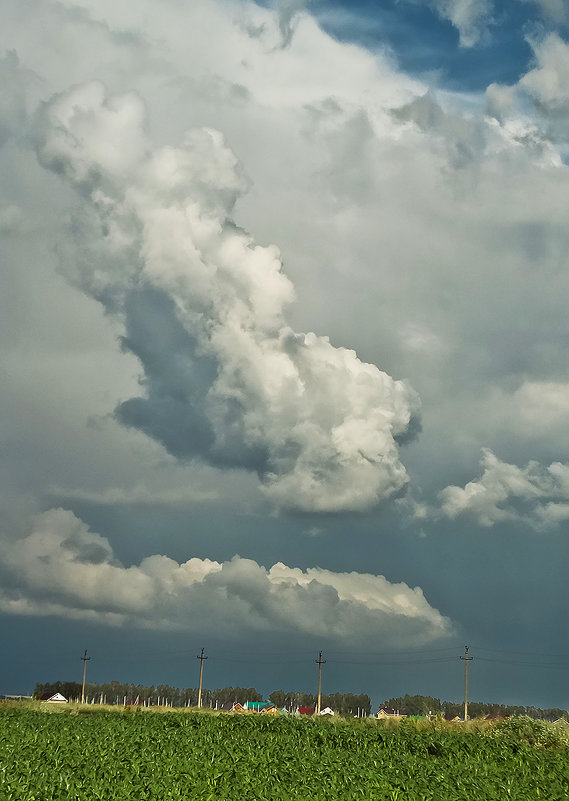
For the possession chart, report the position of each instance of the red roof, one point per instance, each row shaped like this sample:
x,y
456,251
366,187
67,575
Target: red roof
x,y
306,710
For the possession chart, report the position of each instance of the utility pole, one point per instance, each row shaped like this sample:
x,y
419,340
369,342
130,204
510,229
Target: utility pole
x,y
466,659
84,659
201,657
319,662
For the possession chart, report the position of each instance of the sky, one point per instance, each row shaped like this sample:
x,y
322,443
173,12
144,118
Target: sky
x,y
283,344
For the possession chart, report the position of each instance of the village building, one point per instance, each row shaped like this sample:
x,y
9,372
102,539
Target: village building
x,y
387,712
56,698
232,706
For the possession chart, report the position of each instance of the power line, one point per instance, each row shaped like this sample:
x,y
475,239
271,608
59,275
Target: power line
x,y
261,661
521,653
411,651
563,666
375,663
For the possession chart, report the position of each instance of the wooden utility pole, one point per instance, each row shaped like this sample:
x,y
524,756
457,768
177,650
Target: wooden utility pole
x,y
84,659
201,657
319,662
466,659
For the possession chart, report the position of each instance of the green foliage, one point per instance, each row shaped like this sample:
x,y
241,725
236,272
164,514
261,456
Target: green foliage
x,y
70,689
212,757
341,703
115,692
425,704
538,733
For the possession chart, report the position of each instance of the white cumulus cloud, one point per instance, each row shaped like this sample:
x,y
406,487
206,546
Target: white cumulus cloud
x,y
61,567
548,82
204,310
534,494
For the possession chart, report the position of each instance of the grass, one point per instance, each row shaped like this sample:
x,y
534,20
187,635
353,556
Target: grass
x,y
70,755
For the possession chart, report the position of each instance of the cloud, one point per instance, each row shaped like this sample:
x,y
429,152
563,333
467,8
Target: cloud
x,y
547,84
469,17
287,12
554,10
543,404
11,218
139,495
535,495
204,311
543,89
473,18
14,80
61,567
464,139
444,232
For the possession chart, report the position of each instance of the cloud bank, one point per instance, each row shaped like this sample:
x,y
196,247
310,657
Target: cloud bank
x,y
61,567
203,307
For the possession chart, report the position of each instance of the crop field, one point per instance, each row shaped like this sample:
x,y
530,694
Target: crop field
x,y
107,755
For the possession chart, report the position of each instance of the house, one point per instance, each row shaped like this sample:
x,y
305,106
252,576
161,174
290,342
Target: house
x,y
256,706
232,706
388,712
306,710
56,698
270,709
450,717
327,711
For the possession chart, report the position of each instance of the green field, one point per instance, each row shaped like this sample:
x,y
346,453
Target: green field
x,y
106,755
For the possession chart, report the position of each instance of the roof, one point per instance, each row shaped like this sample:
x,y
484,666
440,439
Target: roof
x,y
231,706
306,710
257,705
53,697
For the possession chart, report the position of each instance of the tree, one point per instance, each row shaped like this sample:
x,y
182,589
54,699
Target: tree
x,y
278,697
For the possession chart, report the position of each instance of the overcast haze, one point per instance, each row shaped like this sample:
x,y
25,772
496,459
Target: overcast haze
x,y
284,338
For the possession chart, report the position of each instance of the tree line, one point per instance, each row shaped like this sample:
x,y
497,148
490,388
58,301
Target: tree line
x,y
115,692
341,703
426,704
